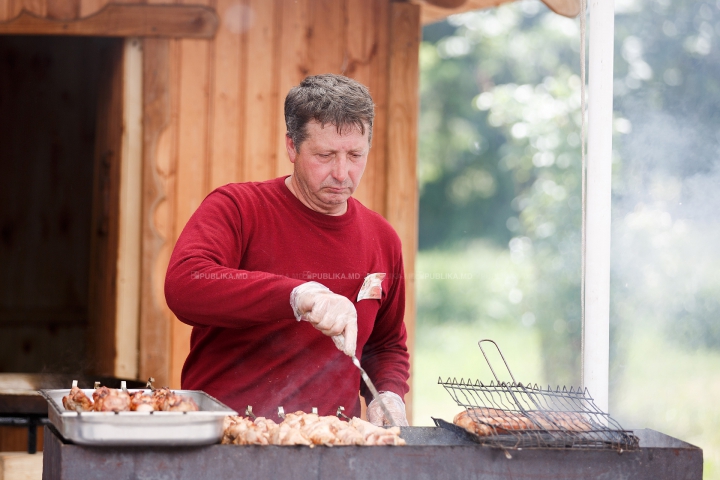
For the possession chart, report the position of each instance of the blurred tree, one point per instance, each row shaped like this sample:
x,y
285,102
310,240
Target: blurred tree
x,y
500,139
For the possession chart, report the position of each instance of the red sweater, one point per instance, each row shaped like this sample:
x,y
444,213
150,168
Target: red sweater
x,y
230,277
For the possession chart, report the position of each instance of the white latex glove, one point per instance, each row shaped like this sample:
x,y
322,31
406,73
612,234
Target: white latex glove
x,y
395,406
329,312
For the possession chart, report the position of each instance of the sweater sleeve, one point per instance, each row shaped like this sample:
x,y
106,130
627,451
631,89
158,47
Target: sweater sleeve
x,y
203,285
385,357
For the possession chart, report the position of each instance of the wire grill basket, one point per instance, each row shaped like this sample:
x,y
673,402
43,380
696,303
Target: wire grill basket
x,y
513,415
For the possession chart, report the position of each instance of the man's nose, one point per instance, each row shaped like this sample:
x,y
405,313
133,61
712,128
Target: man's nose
x,y
340,167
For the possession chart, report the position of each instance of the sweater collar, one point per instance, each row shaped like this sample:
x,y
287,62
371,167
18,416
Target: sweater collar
x,y
317,218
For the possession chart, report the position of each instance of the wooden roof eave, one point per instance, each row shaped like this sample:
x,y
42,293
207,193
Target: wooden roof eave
x,y
437,10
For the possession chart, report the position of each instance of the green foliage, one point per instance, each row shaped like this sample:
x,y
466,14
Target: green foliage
x,y
499,148
500,161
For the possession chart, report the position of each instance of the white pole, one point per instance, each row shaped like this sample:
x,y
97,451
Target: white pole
x,y
596,331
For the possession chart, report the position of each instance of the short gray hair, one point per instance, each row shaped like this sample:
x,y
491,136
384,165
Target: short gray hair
x,y
328,99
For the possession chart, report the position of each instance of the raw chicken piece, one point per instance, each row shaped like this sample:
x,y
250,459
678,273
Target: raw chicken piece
x,y
242,431
110,400
320,433
349,436
77,400
285,434
234,428
375,435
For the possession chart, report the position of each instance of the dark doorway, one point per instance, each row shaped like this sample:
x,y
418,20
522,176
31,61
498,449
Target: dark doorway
x,y
50,95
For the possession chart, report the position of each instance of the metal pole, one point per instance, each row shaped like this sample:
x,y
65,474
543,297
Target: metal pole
x,y
596,331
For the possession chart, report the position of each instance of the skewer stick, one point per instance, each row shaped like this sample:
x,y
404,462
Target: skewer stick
x,y
340,413
249,412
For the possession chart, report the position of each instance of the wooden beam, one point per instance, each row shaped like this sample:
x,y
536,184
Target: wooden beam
x,y
566,8
194,83
261,74
433,11
294,65
130,214
154,337
403,111
123,20
446,3
227,104
102,294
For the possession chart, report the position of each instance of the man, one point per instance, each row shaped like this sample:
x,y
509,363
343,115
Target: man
x,y
256,257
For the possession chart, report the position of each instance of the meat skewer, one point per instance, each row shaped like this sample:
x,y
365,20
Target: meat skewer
x,y
310,429
77,400
110,400
113,400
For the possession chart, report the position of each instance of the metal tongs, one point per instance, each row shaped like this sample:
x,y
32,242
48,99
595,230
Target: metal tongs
x,y
376,396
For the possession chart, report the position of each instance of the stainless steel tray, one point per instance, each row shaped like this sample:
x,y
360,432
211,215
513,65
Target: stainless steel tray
x,y
203,427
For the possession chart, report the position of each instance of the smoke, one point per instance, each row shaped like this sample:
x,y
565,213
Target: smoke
x,y
666,228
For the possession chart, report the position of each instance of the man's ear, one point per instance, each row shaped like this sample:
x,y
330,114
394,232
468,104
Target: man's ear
x,y
290,146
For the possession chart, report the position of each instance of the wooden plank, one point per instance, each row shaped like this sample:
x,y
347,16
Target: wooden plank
x,y
227,108
166,213
439,10
195,63
10,9
15,439
402,198
366,62
379,90
260,93
37,7
293,66
21,466
327,48
63,9
357,55
104,234
123,20
90,7
130,212
154,339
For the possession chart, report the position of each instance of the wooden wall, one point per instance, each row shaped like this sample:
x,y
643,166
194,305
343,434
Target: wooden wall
x,y
216,108
213,115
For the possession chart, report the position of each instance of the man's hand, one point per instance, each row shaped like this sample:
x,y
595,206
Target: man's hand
x,y
330,313
395,406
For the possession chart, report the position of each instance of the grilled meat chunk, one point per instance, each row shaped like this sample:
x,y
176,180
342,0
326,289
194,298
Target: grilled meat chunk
x,y
110,400
484,421
77,400
141,402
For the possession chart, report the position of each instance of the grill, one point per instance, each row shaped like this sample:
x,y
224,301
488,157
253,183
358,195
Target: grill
x,y
511,415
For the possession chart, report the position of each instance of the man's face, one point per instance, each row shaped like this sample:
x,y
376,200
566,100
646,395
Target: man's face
x,y
328,166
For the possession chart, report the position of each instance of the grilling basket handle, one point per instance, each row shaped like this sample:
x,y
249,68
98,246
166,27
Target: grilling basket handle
x,y
501,356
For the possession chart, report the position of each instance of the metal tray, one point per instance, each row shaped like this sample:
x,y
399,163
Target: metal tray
x,y
203,427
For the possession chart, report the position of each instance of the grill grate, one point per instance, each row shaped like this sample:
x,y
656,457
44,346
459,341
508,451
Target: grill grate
x,y
513,415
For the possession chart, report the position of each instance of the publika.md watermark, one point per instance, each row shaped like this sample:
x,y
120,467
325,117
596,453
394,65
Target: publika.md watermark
x,y
219,276
443,276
